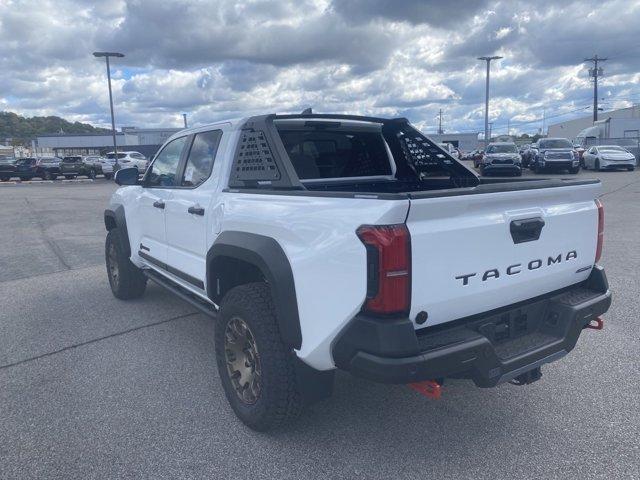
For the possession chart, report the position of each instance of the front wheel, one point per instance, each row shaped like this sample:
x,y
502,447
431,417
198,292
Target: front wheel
x,y
4,178
596,166
69,177
574,170
256,367
126,280
631,168
108,176
46,176
92,174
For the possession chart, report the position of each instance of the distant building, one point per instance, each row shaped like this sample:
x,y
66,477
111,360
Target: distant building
x,y
6,151
144,140
571,128
466,142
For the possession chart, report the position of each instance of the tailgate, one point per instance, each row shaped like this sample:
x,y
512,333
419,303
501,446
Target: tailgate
x,y
466,260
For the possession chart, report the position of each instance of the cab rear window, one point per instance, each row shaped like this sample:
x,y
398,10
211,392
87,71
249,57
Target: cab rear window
x,y
323,154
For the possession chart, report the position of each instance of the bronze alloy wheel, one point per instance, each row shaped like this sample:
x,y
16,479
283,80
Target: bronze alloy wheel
x,y
114,272
243,360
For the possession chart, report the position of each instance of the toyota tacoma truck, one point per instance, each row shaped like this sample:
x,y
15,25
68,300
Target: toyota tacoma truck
x,y
325,242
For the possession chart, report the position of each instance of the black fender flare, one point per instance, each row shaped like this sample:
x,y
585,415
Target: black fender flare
x,y
115,218
266,254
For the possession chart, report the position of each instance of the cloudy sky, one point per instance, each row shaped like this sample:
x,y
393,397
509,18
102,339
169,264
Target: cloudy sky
x,y
223,59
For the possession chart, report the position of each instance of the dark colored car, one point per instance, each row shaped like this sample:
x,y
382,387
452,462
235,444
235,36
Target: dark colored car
x,y
555,154
48,168
73,166
23,168
7,168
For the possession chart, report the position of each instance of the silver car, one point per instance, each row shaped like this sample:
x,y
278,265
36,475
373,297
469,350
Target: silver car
x,y
605,157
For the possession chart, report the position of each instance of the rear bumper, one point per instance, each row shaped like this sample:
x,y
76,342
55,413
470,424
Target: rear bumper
x,y
490,348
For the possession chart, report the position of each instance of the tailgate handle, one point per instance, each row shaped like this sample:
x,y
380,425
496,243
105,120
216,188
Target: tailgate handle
x,y
526,230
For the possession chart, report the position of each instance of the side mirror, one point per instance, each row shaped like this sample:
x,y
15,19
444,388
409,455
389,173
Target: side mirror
x,y
127,176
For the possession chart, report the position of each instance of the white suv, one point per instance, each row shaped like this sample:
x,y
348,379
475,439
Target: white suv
x,y
130,159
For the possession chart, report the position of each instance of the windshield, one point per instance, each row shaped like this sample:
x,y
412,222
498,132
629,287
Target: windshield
x,y
112,156
612,149
25,161
556,143
49,160
502,149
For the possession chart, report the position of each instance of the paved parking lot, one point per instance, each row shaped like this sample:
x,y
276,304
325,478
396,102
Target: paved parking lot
x,y
93,387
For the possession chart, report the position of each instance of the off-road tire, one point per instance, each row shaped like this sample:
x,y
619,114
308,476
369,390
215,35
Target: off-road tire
x,y
574,171
279,400
129,281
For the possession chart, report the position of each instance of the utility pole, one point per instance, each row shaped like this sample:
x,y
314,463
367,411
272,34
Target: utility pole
x,y
508,127
595,72
440,131
184,118
490,128
487,137
544,114
106,55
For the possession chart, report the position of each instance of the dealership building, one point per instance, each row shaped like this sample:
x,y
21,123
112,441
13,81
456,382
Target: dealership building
x,y
571,128
465,142
144,140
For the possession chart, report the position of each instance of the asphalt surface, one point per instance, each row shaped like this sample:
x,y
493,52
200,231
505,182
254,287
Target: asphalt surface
x,y
93,387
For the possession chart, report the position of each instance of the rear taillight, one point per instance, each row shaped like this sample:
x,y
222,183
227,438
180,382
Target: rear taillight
x,y
600,229
388,268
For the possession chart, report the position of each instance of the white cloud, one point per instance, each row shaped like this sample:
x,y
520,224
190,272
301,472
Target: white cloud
x,y
217,59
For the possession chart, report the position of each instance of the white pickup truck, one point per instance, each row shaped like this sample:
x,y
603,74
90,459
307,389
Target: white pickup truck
x,y
320,242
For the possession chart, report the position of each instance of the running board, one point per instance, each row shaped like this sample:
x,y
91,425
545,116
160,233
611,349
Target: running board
x,y
183,293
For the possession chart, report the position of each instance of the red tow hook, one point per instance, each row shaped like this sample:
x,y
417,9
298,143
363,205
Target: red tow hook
x,y
429,388
598,325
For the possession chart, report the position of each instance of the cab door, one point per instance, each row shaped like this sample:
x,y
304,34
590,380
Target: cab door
x,y
190,211
156,192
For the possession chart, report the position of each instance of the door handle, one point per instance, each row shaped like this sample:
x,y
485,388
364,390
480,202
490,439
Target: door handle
x,y
526,230
196,210
158,204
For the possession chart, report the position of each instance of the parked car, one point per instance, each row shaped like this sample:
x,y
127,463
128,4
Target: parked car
x,y
450,149
501,158
73,166
23,168
609,157
129,159
101,165
324,242
7,168
476,156
48,168
528,154
554,154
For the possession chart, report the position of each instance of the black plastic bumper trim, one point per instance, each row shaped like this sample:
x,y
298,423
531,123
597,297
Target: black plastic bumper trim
x,y
390,350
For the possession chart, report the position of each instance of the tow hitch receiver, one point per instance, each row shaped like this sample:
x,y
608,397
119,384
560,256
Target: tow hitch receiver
x,y
596,324
429,388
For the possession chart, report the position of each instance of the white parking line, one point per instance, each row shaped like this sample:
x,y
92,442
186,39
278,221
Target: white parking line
x,y
40,182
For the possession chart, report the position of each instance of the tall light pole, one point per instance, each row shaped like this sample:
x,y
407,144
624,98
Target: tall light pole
x,y
106,55
487,138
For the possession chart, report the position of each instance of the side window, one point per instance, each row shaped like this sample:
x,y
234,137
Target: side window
x,y
162,172
201,158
